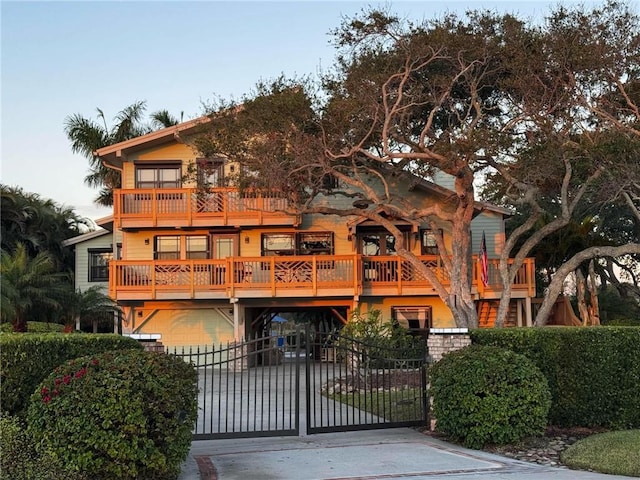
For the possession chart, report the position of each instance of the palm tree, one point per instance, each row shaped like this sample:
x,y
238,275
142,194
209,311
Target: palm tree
x,y
87,136
29,287
92,305
40,224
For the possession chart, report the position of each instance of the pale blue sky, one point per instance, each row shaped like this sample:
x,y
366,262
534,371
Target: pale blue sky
x,y
60,58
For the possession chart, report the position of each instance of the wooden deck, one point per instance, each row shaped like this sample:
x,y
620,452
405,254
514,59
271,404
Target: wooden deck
x,y
190,207
293,276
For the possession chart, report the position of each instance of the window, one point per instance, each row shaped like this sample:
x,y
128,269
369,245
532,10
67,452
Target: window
x,y
197,246
379,243
278,244
329,182
428,245
175,247
301,243
210,172
315,243
159,176
412,318
167,247
99,264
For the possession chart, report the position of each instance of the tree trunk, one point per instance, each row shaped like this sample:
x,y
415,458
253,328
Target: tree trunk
x,y
555,287
580,294
594,306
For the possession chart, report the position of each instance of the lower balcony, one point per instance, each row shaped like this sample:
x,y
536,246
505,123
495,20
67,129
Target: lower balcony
x,y
299,276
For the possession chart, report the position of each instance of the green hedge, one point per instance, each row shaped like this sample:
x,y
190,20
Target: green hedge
x,y
26,360
488,395
593,373
124,414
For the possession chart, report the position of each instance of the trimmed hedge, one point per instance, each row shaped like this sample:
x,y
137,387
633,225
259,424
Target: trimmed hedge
x,y
124,414
26,360
593,373
488,395
19,459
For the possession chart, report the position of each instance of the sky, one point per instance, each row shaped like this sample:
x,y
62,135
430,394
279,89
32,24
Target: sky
x,y
63,58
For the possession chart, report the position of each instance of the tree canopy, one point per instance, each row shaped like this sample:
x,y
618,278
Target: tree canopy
x,y
528,108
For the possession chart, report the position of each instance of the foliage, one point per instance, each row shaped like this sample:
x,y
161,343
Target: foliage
x,y
488,395
373,339
19,459
593,373
25,360
90,305
35,327
465,95
87,136
615,453
616,309
30,286
122,414
39,224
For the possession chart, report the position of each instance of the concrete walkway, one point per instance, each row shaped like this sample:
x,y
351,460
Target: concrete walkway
x,y
400,453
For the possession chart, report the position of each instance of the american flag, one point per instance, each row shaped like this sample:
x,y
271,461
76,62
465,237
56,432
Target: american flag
x,y
484,264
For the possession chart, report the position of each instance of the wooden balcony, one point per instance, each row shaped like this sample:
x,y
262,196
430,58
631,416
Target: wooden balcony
x,y
289,276
190,207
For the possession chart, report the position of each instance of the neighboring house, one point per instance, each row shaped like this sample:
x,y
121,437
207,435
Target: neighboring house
x,y
201,266
93,253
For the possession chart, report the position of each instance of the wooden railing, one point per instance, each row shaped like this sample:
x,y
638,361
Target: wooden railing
x,y
285,276
185,207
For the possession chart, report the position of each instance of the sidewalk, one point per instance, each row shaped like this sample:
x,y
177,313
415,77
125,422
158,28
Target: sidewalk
x,y
364,455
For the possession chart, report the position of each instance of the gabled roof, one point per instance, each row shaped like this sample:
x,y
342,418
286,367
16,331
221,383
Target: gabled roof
x,y
85,237
113,154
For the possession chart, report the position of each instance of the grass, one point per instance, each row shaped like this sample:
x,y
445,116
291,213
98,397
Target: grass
x,y
615,453
394,406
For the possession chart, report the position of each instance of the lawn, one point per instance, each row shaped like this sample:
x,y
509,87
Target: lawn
x,y
399,405
616,453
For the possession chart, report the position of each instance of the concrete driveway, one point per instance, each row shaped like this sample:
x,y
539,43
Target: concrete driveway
x,y
400,453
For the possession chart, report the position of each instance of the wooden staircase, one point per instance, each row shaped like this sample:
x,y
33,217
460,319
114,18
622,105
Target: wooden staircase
x,y
488,311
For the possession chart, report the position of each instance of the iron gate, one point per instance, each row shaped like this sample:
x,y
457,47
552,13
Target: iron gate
x,y
253,388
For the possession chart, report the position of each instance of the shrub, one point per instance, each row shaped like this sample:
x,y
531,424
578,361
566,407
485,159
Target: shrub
x,y
19,459
120,414
593,373
488,395
26,360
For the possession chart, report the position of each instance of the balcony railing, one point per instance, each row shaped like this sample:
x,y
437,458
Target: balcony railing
x,y
190,207
292,276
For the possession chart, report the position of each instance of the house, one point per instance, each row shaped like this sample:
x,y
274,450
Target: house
x,y
208,265
93,252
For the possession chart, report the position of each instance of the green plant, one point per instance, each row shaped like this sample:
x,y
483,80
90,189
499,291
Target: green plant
x,y
611,452
373,339
19,459
26,360
593,373
122,414
488,395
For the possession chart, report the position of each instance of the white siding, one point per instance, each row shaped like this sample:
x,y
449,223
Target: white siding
x,y
82,260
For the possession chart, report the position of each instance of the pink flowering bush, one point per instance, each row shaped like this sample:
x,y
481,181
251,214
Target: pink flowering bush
x,y
121,414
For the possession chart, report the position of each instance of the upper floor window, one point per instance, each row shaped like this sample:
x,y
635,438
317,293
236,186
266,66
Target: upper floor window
x,y
428,244
167,247
300,243
159,176
210,172
176,247
99,259
379,243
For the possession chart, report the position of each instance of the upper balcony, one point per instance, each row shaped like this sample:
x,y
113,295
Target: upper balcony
x,y
295,276
191,207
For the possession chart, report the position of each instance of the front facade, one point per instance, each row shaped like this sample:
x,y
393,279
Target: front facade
x,y
210,265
